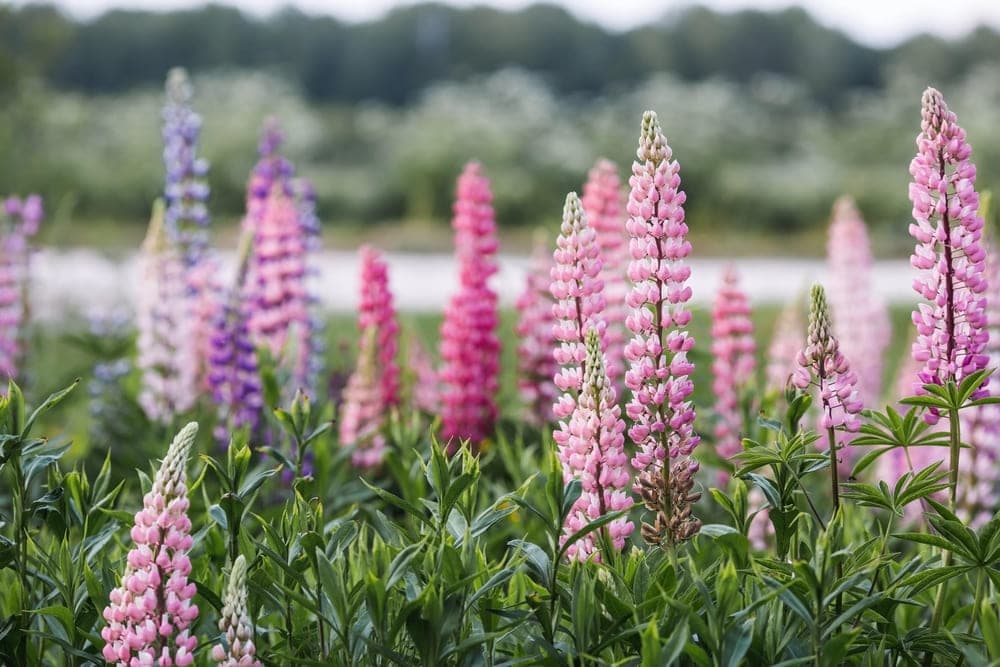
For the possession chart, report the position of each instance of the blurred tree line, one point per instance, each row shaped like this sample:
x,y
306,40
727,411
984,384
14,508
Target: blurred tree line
x,y
771,114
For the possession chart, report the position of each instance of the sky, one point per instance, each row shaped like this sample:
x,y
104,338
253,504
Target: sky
x,y
875,22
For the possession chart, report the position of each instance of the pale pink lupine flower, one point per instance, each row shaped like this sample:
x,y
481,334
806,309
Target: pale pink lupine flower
x,y
425,387
150,615
760,528
860,317
470,346
602,204
951,325
787,340
594,453
165,357
733,363
535,363
19,221
235,624
579,303
660,374
373,388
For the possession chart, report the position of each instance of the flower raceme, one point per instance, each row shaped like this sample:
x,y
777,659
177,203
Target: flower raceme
x,y
536,365
786,342
150,614
234,622
659,373
21,220
951,325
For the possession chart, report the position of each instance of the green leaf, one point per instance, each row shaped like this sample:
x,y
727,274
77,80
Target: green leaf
x,y
537,560
52,401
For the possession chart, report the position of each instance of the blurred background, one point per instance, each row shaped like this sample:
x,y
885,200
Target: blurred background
x,y
772,112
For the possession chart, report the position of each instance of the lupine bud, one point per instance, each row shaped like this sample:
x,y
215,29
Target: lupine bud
x,y
660,373
786,342
536,366
150,615
234,622
470,347
951,325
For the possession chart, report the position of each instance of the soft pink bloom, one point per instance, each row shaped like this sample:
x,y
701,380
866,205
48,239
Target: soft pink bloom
x,y
860,317
733,363
602,204
20,220
594,453
535,363
235,624
425,389
949,255
660,373
470,346
761,528
786,342
150,615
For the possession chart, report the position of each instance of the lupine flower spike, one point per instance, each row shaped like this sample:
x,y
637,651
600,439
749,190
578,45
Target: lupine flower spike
x,y
602,203
425,390
470,347
733,363
535,363
660,373
951,326
234,622
786,343
594,453
150,615
21,220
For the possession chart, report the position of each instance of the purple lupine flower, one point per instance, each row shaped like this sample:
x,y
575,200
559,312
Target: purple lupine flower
x,y
860,317
373,388
594,453
951,326
535,364
660,374
602,204
164,359
20,221
470,347
733,363
786,342
150,615
235,623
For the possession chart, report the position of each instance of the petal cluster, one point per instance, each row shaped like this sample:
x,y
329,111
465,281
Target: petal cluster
x,y
535,363
234,622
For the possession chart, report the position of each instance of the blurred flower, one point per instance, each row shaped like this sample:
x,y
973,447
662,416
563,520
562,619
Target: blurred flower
x,y
470,348
786,342
234,622
660,373
535,340
21,220
425,390
150,615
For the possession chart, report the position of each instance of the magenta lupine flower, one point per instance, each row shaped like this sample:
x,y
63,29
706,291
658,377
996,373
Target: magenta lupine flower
x,y
235,624
163,342
786,343
373,388
150,615
470,347
21,220
535,364
579,305
860,317
425,389
602,204
951,327
733,363
660,373
594,453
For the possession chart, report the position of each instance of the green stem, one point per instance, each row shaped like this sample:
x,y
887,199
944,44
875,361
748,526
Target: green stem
x,y
20,493
835,489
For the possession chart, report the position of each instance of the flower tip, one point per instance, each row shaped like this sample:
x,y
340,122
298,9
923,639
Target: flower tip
x,y
178,86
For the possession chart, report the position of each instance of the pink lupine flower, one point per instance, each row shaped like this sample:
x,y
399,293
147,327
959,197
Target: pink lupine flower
x,y
594,453
579,304
21,220
951,326
860,317
602,203
425,390
536,366
150,615
235,624
169,374
760,528
733,363
373,388
470,347
660,374
786,342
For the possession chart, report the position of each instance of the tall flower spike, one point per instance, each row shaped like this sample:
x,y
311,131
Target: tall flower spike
x,y
424,390
660,373
786,342
21,220
535,364
733,363
602,203
579,305
860,317
234,622
594,453
150,615
470,347
168,376
951,326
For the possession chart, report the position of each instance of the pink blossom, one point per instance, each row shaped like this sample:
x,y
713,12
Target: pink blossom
x,y
20,220
425,389
150,615
535,363
786,342
234,622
